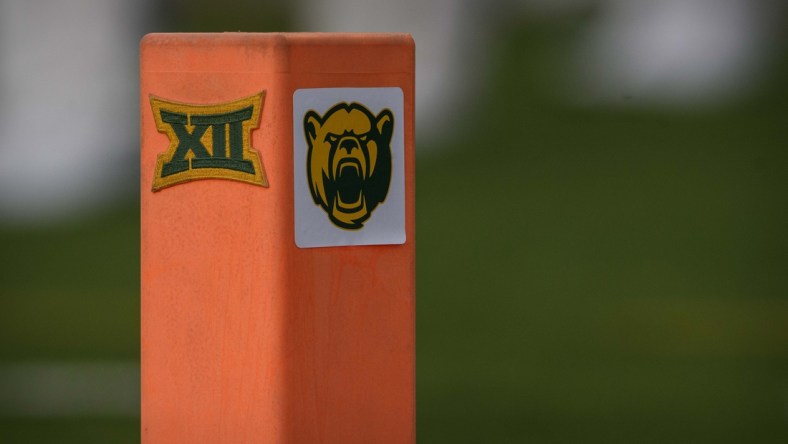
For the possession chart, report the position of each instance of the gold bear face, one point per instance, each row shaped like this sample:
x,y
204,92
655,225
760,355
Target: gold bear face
x,y
349,161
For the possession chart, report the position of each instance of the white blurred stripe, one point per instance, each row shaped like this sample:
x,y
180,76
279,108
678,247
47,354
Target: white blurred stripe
x,y
674,52
69,107
65,389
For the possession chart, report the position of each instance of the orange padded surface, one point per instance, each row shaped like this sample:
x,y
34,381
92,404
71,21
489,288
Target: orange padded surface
x,y
245,337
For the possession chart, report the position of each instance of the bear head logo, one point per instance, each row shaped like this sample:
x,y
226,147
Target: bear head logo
x,y
349,161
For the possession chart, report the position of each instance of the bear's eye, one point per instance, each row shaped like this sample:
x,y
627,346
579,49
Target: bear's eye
x,y
362,137
332,138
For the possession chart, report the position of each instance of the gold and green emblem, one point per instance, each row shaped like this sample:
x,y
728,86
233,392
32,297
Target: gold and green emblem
x,y
208,141
348,161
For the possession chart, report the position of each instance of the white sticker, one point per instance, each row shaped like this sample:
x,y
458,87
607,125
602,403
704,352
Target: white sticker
x,y
349,155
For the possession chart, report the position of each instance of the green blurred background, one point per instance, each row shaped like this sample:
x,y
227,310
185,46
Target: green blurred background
x,y
586,273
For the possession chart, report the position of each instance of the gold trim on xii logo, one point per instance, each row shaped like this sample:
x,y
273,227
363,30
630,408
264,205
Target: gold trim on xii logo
x,y
208,141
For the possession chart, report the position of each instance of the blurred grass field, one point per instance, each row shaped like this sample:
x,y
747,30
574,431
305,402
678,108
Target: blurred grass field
x,y
584,274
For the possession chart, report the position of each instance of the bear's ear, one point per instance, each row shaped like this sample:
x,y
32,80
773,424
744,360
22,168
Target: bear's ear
x,y
311,126
385,124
